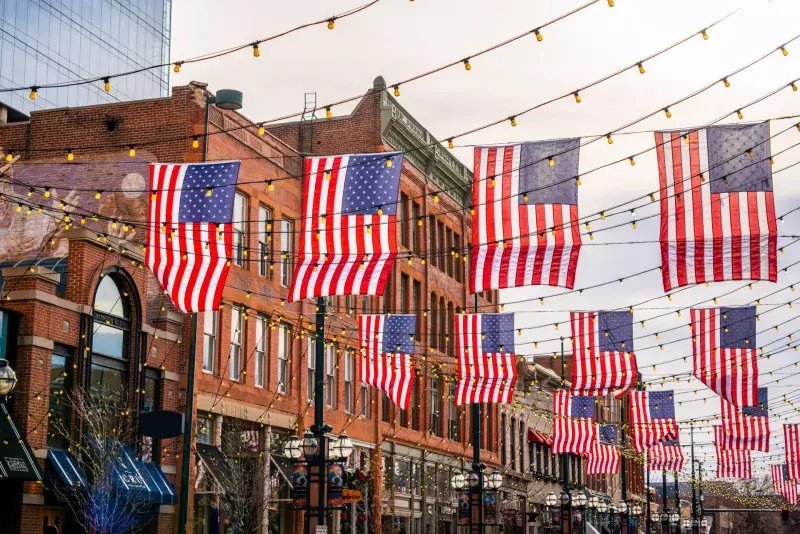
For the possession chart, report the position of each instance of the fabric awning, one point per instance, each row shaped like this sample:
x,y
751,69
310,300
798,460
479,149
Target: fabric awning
x,y
67,468
538,437
17,461
217,465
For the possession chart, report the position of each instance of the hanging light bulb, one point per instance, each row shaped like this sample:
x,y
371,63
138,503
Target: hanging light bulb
x,y
256,51
538,35
388,162
668,113
513,121
396,90
726,82
107,85
739,114
70,155
467,66
261,130
209,192
577,97
784,51
46,192
641,68
578,181
177,68
704,33
331,23
98,194
793,85
270,186
328,114
608,138
132,151
450,143
195,141
32,94
633,161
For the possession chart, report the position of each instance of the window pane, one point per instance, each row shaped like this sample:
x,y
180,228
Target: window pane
x,y
287,240
109,384
108,340
109,299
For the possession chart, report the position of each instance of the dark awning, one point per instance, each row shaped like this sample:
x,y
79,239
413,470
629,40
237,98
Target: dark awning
x,y
217,465
538,437
67,468
17,461
139,477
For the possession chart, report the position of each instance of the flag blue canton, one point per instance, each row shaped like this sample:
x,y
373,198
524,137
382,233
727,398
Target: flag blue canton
x,y
195,206
763,405
499,331
661,404
398,334
369,184
582,407
738,328
608,434
619,325
727,158
545,184
785,471
671,443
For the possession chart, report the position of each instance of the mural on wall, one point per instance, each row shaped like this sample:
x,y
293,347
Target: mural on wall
x,y
121,178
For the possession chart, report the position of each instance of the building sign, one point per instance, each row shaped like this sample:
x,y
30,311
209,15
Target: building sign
x,y
350,496
463,507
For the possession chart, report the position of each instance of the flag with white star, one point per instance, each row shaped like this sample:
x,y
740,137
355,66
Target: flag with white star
x,y
349,236
717,206
189,230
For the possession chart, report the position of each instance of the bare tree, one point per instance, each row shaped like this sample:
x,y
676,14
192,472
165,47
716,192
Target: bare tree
x,y
96,429
756,493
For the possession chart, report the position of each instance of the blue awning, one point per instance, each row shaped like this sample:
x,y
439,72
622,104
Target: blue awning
x,y
67,468
131,476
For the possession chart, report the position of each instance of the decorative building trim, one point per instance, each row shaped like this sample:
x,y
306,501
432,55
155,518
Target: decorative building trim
x,y
42,273
170,375
35,341
30,498
35,294
162,334
169,469
243,410
166,509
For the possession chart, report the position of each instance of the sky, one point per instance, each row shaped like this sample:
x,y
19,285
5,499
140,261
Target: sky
x,y
400,38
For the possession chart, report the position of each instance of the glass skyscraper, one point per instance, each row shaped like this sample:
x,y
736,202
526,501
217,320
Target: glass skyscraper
x,y
50,41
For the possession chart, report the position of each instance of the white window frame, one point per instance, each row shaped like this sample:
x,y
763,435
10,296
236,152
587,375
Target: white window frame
x,y
262,338
284,346
210,340
239,229
235,358
287,246
265,259
365,400
312,366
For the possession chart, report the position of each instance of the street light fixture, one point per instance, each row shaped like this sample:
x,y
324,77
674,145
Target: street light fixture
x,y
704,523
458,482
665,517
579,499
474,479
292,448
636,509
593,501
655,517
565,499
674,517
551,500
342,447
310,445
622,507
8,379
494,481
602,507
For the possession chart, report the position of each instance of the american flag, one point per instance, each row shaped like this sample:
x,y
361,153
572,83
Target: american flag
x,y
574,428
717,210
387,349
349,236
525,230
652,418
603,456
782,485
791,437
746,428
487,363
665,456
731,463
189,237
724,349
602,352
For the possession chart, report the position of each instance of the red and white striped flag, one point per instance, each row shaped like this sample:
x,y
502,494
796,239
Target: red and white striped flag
x,y
349,231
746,428
602,352
731,463
717,209
782,485
525,230
652,418
791,437
665,456
724,349
387,348
189,231
574,428
603,457
487,363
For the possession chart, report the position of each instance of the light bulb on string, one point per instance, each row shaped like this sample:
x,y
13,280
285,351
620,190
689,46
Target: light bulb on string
x,y
107,85
641,68
467,66
538,35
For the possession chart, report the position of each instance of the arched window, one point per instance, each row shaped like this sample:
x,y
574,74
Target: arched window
x,y
111,339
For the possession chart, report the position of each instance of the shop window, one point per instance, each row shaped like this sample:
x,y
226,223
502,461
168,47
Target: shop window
x,y
111,333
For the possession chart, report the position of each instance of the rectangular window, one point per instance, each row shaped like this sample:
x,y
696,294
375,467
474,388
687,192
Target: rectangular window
x,y
513,444
262,333
416,228
436,429
449,257
365,307
205,428
521,447
284,346
348,305
452,414
403,215
330,386
503,444
265,242
59,424
210,322
239,228
416,307
312,365
384,407
460,254
432,257
441,245
545,459
348,381
531,457
405,280
236,343
538,451
365,400
414,406
287,248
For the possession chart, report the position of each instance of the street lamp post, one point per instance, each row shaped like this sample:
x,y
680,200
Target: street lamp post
x,y
623,509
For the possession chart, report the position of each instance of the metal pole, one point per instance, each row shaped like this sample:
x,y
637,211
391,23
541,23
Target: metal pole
x,y
665,510
624,517
319,408
188,435
695,527
477,491
566,509
677,498
647,521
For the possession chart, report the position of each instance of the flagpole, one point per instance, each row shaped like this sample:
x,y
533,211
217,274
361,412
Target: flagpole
x,y
566,508
647,521
695,519
624,519
188,423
